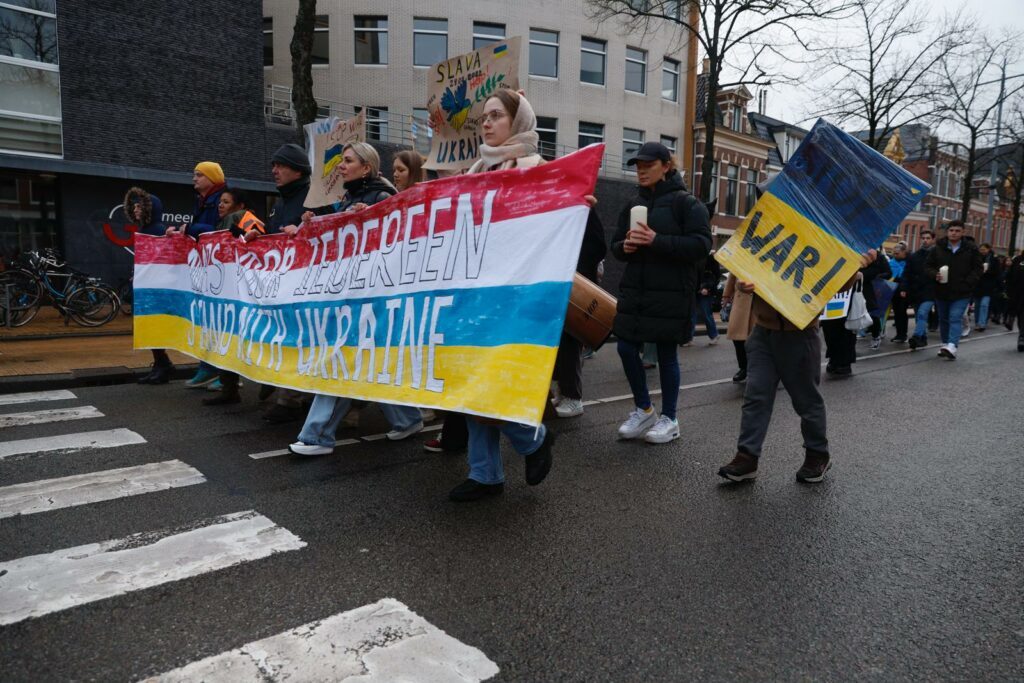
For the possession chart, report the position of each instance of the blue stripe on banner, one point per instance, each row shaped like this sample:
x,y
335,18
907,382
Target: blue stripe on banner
x,y
846,188
487,316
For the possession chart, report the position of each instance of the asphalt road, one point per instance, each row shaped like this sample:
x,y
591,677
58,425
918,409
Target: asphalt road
x,y
632,562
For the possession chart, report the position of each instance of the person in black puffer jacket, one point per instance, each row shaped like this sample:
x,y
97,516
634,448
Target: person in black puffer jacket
x,y
920,289
664,259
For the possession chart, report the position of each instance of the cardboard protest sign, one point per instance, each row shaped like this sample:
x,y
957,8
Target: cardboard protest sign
x,y
835,199
837,307
449,295
456,92
325,139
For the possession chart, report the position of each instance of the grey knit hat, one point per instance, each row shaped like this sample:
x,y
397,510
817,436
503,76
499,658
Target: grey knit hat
x,y
293,156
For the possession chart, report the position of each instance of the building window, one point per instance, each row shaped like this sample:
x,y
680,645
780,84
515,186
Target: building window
x,y
671,8
590,133
376,123
547,131
737,118
543,53
636,70
421,131
371,40
732,189
485,33
751,197
268,41
429,41
713,194
592,59
321,40
632,139
30,113
670,80
669,142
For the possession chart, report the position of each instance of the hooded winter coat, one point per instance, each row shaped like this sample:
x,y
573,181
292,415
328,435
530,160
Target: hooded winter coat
x,y
964,269
204,212
152,211
288,209
915,281
656,293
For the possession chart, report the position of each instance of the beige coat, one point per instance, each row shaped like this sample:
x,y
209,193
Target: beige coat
x,y
741,318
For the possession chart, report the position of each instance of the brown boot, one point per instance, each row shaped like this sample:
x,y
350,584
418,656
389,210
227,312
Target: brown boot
x,y
815,466
743,467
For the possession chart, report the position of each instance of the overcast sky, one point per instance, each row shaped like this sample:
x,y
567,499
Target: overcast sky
x,y
794,103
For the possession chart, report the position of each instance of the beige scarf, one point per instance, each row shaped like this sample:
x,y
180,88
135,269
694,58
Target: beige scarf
x,y
521,143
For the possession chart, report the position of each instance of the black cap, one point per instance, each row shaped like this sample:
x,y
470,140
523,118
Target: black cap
x,y
650,151
293,156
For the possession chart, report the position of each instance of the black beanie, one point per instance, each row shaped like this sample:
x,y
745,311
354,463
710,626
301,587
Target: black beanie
x,y
294,156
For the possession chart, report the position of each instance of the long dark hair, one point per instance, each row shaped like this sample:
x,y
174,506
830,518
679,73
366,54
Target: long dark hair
x,y
414,162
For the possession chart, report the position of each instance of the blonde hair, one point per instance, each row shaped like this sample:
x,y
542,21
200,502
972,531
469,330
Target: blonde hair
x,y
367,154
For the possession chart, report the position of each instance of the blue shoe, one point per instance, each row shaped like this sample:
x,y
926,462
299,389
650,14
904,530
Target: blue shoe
x,y
215,385
202,378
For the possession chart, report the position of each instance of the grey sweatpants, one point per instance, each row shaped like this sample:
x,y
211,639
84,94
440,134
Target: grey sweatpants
x,y
794,358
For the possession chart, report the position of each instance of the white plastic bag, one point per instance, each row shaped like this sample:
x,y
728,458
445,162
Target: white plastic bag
x,y
858,318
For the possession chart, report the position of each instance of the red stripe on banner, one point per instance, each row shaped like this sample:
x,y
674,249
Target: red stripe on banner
x,y
518,193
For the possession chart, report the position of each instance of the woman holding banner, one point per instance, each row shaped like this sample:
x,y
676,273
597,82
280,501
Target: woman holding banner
x,y
364,186
407,169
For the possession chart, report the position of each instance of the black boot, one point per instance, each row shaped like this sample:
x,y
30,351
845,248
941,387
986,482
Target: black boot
x,y
159,374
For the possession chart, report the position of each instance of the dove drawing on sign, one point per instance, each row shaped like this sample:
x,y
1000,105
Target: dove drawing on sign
x,y
456,105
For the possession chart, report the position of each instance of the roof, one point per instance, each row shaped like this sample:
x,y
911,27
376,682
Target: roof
x,y
765,127
916,138
702,98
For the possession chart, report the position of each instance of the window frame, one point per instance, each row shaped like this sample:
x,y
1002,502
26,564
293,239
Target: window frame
x,y
543,43
750,196
541,128
321,29
643,70
604,59
594,138
356,30
732,189
665,69
487,37
626,154
428,32
268,32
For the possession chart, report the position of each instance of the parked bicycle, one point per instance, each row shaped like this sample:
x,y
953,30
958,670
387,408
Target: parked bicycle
x,y
75,295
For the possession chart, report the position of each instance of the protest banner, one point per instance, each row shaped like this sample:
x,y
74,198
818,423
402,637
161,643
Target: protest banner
x,y
449,295
456,92
325,140
835,199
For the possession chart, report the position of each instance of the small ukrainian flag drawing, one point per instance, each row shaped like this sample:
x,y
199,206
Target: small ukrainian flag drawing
x,y
500,51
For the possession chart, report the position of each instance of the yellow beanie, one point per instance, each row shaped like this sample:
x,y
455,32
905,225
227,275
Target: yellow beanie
x,y
212,170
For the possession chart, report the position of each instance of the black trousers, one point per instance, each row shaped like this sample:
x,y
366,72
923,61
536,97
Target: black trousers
x,y
569,367
741,352
899,315
840,343
454,432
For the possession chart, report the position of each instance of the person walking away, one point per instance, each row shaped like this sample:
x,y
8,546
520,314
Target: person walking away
x,y
920,289
879,268
146,211
955,265
704,310
778,351
898,265
741,322
664,259
1015,298
840,343
988,285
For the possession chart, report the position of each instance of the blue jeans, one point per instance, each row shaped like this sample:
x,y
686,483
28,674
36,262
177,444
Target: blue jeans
x,y
327,412
668,369
921,318
951,319
484,455
703,310
981,304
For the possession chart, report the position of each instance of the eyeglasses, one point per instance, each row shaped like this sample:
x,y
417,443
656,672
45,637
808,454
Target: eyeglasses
x,y
494,116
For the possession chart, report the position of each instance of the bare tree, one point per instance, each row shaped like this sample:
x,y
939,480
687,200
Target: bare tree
x,y
970,101
1015,129
741,34
301,49
885,76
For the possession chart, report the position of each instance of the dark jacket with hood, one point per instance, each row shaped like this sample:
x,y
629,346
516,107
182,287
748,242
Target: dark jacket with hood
x,y
152,212
964,269
656,293
204,212
915,281
288,209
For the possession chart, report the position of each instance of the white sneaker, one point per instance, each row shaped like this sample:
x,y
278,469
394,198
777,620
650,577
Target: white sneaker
x,y
556,394
428,415
638,423
569,407
399,434
664,430
876,343
948,351
712,341
299,448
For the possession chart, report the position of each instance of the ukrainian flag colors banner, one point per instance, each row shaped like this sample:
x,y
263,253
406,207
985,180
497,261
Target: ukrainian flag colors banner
x,y
834,200
449,295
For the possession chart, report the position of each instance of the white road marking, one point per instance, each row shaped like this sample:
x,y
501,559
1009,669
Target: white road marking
x,y
35,396
53,494
38,417
378,643
40,584
108,438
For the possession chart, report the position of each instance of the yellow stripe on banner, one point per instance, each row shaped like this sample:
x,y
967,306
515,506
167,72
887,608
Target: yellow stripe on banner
x,y
796,266
509,382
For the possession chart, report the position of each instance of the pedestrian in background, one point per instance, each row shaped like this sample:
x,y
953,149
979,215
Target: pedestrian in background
x,y
706,290
988,288
898,266
407,169
877,269
741,322
955,267
920,289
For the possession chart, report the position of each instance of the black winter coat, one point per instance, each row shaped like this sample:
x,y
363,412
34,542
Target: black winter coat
x,y
918,285
1015,288
964,269
367,191
879,268
288,209
989,284
656,293
593,248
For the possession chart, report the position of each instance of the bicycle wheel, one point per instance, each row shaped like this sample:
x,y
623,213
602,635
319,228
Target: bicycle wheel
x,y
25,292
126,294
91,306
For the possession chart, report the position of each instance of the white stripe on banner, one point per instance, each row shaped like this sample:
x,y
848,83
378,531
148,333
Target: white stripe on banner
x,y
41,584
53,494
34,396
378,643
109,438
38,417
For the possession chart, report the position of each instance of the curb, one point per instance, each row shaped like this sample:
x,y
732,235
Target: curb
x,y
90,377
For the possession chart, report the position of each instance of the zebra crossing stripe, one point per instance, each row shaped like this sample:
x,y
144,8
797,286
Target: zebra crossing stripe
x,y
40,584
385,641
109,438
38,417
54,494
35,396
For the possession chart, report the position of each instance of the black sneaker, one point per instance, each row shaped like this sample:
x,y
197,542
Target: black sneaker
x,y
471,490
538,463
842,371
899,340
740,376
742,467
816,464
